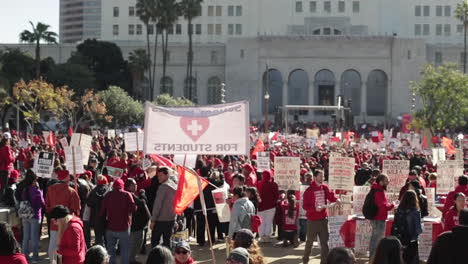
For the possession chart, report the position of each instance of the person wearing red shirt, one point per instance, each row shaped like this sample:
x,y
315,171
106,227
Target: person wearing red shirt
x,y
378,223
316,198
249,174
413,176
72,246
9,248
6,164
451,216
462,187
269,193
290,221
183,254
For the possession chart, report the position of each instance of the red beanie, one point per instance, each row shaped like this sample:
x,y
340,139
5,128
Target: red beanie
x,y
118,184
14,175
62,175
102,181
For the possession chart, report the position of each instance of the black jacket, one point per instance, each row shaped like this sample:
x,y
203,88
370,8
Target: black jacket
x,y
142,215
362,176
94,201
450,247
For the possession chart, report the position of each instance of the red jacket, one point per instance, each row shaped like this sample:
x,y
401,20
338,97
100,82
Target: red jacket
x,y
269,192
450,219
317,195
118,206
62,194
290,223
451,197
72,245
380,200
6,158
16,258
190,261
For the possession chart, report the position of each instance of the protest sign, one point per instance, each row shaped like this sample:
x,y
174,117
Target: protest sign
x,y
114,172
359,195
437,155
341,173
146,163
44,164
263,161
111,133
312,133
433,211
187,161
287,172
425,242
334,226
23,144
448,172
133,141
459,154
222,208
215,129
64,142
363,235
74,159
397,172
84,141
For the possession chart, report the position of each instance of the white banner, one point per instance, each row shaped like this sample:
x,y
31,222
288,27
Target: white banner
x,y
334,226
263,161
215,129
44,164
425,242
287,172
74,159
187,161
397,172
341,173
448,172
133,141
84,141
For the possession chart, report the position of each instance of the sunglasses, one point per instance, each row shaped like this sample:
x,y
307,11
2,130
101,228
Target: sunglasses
x,y
181,252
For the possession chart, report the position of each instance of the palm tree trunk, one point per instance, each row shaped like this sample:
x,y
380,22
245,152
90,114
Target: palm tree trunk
x,y
464,53
148,49
190,59
164,37
154,60
38,60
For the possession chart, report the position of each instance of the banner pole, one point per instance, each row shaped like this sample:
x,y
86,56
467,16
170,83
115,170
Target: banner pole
x,y
74,169
202,201
138,149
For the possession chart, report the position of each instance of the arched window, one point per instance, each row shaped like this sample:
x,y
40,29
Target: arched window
x,y
377,83
167,85
325,85
298,88
273,84
214,90
350,88
190,89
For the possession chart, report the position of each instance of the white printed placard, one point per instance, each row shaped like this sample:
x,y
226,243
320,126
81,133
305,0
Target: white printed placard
x,y
114,172
84,141
211,130
359,195
341,173
263,161
433,211
448,172
187,161
64,142
74,159
23,144
363,235
425,242
287,172
334,226
44,164
222,208
111,133
133,141
397,172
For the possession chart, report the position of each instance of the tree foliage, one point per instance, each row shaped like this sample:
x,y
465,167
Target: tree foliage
x,y
443,92
14,66
125,110
168,100
78,77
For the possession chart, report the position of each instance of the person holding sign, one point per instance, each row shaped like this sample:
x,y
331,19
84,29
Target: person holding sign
x,y
315,204
461,188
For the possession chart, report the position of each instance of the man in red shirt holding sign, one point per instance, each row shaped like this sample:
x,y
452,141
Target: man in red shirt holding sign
x,y
315,205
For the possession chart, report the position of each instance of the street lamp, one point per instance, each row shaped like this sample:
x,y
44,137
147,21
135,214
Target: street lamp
x,y
267,98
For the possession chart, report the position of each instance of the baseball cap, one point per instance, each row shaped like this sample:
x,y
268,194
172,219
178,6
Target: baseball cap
x,y
184,245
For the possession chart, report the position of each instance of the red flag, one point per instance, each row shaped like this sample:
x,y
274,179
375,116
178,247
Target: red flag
x,y
447,143
162,160
70,131
335,139
424,143
273,136
187,189
259,147
51,139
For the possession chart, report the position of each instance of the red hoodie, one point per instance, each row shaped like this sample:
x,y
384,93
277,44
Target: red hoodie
x,y
450,219
380,200
269,192
251,179
451,197
72,245
317,195
6,158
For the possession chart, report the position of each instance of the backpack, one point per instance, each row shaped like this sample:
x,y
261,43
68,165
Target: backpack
x,y
400,227
25,210
370,209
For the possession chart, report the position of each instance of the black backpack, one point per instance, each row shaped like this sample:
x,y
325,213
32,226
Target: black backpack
x,y
370,209
400,227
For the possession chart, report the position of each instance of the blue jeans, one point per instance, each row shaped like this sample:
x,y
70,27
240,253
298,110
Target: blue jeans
x,y
302,229
31,237
123,238
378,232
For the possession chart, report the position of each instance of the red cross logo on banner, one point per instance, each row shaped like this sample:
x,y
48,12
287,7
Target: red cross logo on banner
x,y
194,127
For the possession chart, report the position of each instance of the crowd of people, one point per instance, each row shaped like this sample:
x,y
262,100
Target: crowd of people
x,y
94,217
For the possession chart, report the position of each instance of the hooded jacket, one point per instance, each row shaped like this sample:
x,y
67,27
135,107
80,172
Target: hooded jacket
x,y
380,200
315,195
450,247
118,206
72,245
251,179
451,196
450,219
94,201
62,194
269,192
6,158
162,207
241,215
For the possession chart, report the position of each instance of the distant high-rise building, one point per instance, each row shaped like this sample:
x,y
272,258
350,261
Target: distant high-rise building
x,y
80,20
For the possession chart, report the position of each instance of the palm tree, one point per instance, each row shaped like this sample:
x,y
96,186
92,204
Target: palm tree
x,y
190,10
139,62
145,10
461,13
169,14
40,33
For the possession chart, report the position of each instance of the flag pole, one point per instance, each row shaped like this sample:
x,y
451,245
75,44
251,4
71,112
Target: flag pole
x,y
202,201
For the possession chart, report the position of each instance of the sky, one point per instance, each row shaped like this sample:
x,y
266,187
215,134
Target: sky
x,y
16,14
